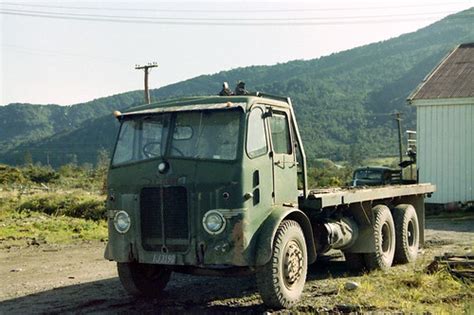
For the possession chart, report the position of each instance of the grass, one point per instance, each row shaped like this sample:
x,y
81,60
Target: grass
x,y
51,218
405,289
411,291
78,204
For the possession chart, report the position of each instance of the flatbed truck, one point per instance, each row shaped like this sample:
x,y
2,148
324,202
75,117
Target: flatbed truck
x,y
217,185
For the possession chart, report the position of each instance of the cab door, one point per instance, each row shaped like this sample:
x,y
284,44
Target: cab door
x,y
285,181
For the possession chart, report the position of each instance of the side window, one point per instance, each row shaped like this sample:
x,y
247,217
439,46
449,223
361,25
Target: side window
x,y
124,151
256,140
280,133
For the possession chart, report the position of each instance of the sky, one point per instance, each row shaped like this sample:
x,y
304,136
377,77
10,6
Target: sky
x,y
68,52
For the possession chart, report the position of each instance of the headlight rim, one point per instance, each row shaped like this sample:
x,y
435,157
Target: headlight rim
x,y
206,216
116,216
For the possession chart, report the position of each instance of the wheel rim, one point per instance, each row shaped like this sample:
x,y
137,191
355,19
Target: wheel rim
x,y
411,234
385,238
293,264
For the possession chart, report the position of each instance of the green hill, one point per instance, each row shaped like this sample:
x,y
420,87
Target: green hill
x,y
343,102
22,123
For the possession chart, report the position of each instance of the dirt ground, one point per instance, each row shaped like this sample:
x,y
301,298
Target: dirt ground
x,y
76,279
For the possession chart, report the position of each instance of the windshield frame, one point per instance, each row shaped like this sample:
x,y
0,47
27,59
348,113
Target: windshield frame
x,y
167,155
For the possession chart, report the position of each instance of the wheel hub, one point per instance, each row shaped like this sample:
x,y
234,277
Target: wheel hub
x,y
293,263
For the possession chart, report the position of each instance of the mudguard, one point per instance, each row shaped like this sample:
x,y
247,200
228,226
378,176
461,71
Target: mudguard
x,y
119,252
267,232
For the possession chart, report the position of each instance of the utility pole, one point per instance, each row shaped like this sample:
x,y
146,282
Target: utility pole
x,y
146,69
399,123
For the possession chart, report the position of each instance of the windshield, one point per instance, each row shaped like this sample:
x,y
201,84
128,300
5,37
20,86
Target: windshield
x,y
197,134
211,135
141,139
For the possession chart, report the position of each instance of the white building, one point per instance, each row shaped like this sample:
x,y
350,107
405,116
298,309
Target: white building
x,y
445,127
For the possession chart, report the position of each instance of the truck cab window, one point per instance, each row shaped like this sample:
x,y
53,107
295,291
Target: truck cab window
x,y
256,140
209,135
280,133
141,139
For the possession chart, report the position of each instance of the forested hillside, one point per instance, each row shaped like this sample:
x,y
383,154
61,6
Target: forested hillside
x,y
27,122
344,102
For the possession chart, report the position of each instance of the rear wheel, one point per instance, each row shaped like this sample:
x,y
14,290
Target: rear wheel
x,y
143,279
282,279
407,233
384,236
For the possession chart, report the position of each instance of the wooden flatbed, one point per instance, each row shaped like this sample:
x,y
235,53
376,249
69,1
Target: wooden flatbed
x,y
322,198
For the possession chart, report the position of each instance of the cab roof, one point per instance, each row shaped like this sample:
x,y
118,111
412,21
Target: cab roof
x,y
208,102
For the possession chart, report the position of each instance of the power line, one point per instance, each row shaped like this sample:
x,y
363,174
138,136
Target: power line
x,y
205,23
231,10
154,18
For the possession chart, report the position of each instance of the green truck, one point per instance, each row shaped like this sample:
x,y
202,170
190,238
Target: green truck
x,y
217,185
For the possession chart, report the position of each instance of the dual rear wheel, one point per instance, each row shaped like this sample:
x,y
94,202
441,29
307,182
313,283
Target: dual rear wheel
x,y
396,239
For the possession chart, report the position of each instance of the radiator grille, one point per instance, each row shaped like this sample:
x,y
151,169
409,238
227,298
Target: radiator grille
x,y
175,216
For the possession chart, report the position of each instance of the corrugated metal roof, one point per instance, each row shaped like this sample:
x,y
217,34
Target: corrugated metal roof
x,y
452,78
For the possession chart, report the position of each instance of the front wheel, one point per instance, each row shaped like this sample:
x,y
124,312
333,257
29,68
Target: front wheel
x,y
281,280
143,279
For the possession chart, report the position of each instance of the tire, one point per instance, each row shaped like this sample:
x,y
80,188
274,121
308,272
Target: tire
x,y
355,261
384,237
281,280
407,234
143,279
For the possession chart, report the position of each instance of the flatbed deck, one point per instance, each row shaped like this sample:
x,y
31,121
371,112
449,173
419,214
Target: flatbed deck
x,y
322,198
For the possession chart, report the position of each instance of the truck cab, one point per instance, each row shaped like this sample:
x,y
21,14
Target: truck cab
x,y
192,171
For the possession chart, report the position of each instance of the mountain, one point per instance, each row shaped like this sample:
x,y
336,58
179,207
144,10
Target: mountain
x,y
27,127
343,102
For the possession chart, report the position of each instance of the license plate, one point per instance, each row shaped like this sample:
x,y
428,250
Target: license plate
x,y
164,259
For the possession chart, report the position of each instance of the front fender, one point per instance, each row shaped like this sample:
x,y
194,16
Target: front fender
x,y
267,232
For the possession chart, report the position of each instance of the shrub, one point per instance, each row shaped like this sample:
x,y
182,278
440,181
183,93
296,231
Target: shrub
x,y
41,174
325,173
90,208
73,205
11,175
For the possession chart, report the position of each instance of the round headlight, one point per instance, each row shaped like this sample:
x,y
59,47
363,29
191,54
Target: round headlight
x,y
122,221
213,222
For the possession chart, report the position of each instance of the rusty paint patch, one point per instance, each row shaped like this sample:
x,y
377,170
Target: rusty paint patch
x,y
239,244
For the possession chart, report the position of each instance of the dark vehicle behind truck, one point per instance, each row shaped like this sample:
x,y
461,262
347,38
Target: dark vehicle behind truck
x,y
376,176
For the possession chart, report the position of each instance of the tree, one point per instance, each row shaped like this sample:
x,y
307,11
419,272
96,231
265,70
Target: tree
x,y
28,158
